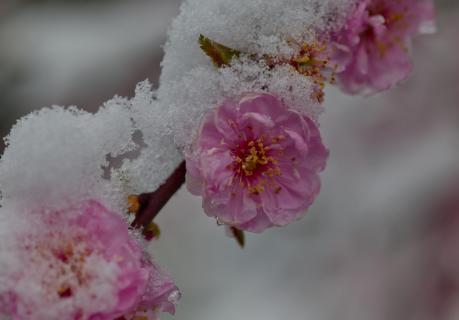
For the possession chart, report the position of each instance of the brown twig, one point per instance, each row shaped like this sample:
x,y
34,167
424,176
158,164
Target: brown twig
x,y
146,206
151,203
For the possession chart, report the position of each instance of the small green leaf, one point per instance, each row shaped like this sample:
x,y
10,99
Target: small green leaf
x,y
220,54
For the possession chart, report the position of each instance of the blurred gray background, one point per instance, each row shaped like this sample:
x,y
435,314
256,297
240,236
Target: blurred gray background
x,y
382,241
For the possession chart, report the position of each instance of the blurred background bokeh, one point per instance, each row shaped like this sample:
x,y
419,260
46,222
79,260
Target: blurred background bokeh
x,y
382,241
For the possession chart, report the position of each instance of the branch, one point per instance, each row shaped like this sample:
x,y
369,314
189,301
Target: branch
x,y
149,204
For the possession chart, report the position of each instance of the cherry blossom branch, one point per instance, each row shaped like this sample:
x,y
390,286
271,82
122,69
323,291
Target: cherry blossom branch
x,y
149,204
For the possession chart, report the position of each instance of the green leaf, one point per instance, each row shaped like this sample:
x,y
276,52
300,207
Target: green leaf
x,y
218,53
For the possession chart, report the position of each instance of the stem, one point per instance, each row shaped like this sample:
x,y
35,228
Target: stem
x,y
151,203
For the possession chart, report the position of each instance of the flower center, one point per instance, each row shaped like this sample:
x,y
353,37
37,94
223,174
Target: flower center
x,y
254,165
65,261
256,157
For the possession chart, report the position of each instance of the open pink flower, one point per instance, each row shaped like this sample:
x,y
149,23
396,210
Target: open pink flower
x,y
371,50
82,264
256,163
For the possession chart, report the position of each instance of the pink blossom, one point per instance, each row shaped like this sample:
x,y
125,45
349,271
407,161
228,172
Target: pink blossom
x,y
81,264
256,163
372,49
